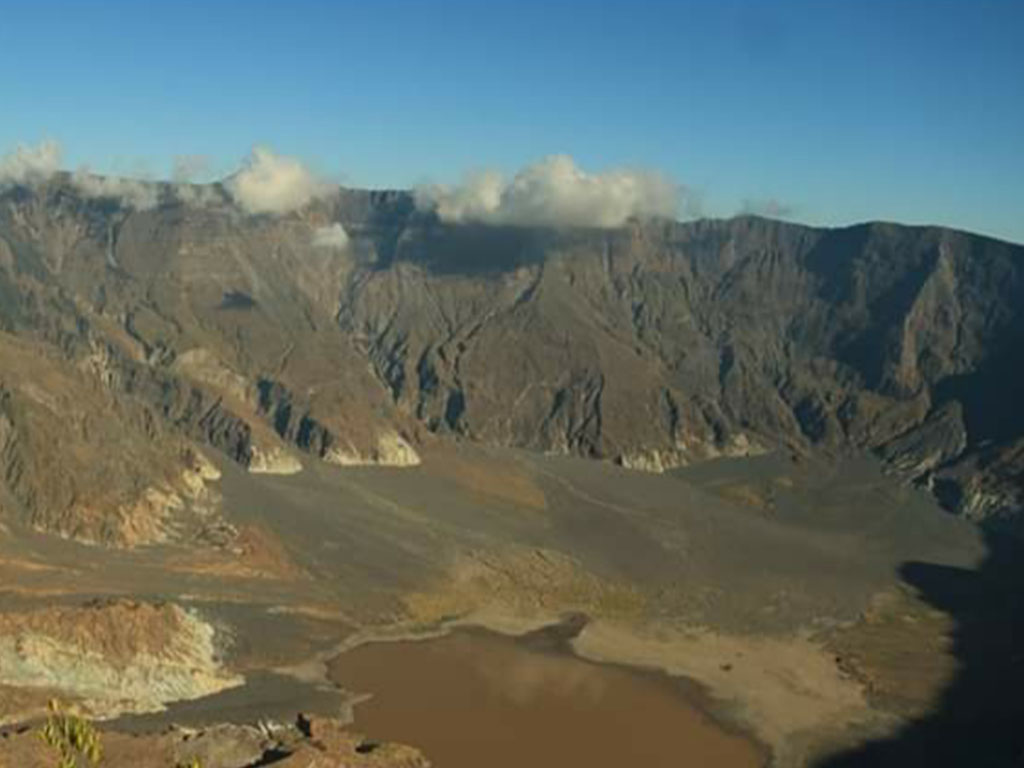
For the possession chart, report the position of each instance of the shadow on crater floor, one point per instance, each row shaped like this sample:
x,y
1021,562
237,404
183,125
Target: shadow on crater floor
x,y
979,720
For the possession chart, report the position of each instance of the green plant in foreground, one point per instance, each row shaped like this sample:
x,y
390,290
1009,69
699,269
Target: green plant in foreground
x,y
73,738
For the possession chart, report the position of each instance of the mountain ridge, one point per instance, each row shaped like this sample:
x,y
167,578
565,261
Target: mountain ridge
x,y
653,345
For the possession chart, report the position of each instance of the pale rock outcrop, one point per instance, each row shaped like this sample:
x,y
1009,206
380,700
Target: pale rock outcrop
x,y
158,515
118,656
202,366
392,450
682,455
273,461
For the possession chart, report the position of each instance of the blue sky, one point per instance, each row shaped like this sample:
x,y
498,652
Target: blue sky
x,y
839,111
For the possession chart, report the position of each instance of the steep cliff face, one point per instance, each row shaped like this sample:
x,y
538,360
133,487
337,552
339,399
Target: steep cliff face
x,y
665,344
134,340
653,345
79,461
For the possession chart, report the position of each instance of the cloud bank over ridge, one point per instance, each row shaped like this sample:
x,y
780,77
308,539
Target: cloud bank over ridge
x,y
190,168
271,183
30,164
134,193
267,182
554,192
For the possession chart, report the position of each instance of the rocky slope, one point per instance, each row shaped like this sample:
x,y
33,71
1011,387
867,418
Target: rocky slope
x,y
114,656
311,742
135,340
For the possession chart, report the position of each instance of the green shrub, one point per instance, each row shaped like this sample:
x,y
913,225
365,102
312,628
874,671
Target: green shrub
x,y
73,738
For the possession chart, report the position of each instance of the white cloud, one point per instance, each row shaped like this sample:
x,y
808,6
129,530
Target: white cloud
x,y
478,198
554,192
28,164
32,164
133,193
197,195
185,168
331,236
271,183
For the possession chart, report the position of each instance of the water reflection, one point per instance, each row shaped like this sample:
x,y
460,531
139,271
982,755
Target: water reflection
x,y
525,678
477,700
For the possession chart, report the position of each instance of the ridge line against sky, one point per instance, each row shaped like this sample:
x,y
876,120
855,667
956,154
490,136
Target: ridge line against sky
x,y
552,192
826,113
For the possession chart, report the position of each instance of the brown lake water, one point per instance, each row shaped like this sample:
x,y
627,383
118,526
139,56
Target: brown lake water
x,y
473,699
